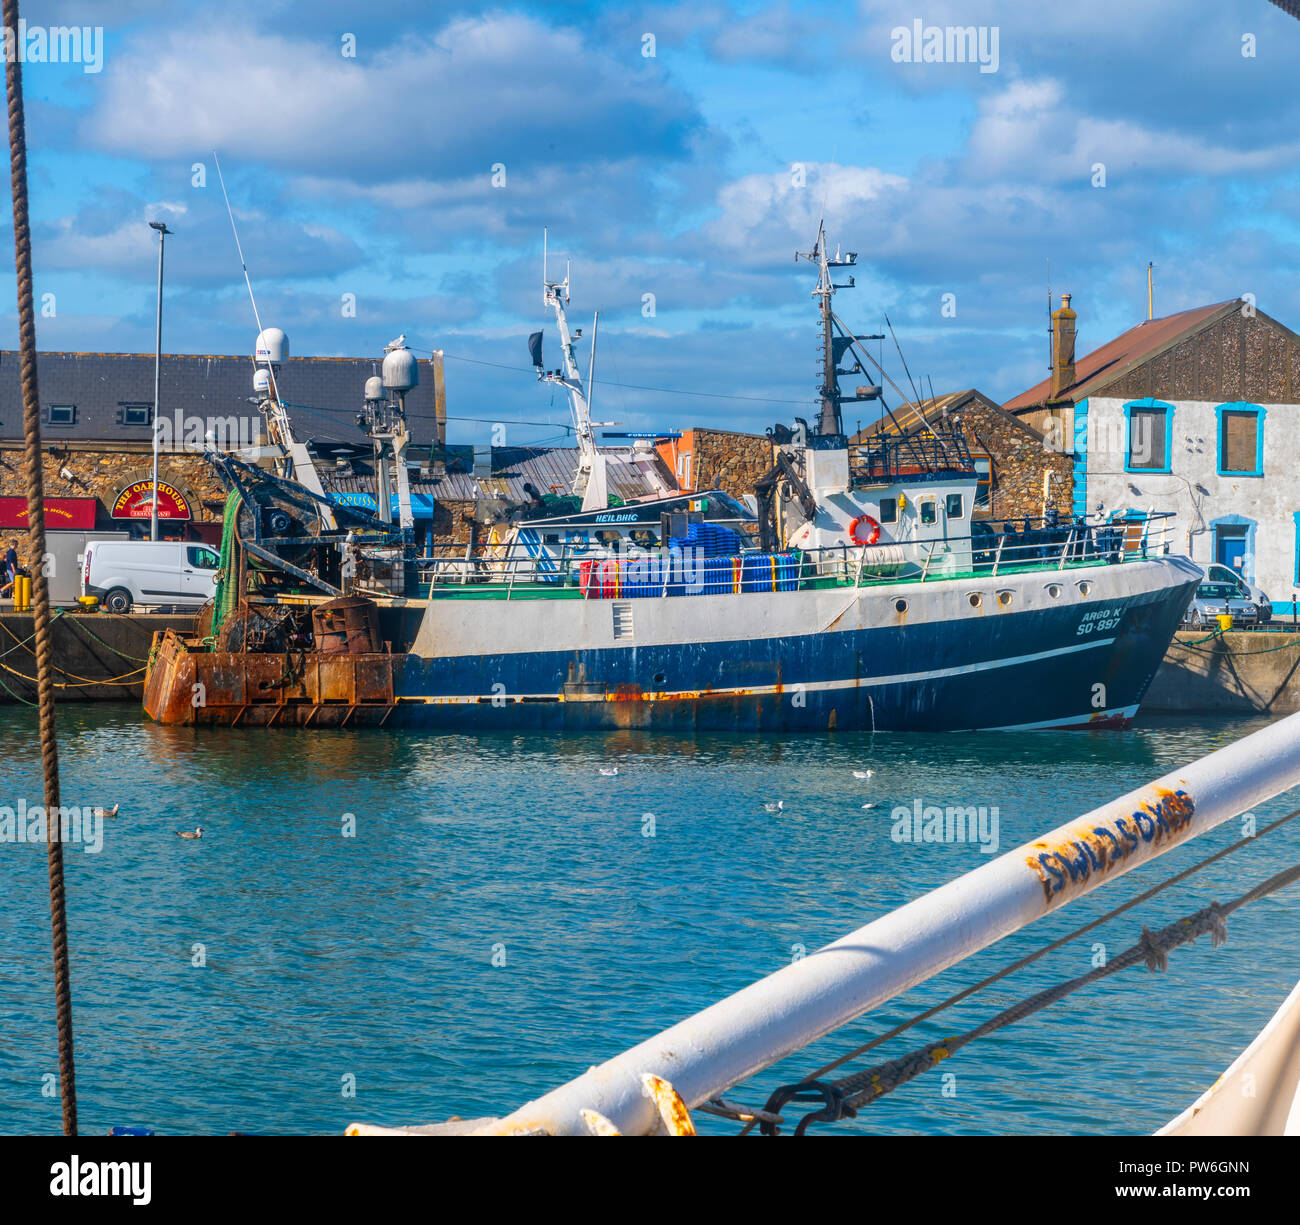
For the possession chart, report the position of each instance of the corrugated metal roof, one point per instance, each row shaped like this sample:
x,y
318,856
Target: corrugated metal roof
x,y
1120,355
547,469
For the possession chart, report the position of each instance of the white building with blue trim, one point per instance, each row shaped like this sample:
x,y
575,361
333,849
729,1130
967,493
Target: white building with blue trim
x,y
1196,413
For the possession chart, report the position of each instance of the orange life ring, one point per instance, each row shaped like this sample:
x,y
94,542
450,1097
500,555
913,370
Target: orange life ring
x,y
873,533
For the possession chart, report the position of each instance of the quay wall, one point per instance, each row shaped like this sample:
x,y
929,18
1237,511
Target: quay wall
x,y
1241,672
98,657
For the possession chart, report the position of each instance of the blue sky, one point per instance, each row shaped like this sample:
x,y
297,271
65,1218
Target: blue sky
x,y
668,174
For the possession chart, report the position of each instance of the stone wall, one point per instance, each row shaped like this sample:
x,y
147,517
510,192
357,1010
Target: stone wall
x,y
732,462
102,472
1019,457
451,522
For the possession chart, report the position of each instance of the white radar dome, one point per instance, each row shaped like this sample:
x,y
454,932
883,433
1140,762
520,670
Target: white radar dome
x,y
400,372
272,346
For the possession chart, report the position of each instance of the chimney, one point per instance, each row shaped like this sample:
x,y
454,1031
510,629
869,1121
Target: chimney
x,y
1062,348
439,413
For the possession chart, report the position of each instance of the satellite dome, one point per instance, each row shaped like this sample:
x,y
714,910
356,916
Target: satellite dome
x,y
272,346
400,371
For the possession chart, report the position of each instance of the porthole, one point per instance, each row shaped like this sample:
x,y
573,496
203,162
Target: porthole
x,y
660,678
975,599
1054,590
1085,588
900,606
1005,598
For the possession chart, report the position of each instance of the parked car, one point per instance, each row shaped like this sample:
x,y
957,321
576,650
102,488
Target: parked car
x,y
123,573
1213,599
1215,572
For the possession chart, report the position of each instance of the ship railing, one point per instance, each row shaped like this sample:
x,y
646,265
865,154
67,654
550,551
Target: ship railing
x,y
992,549
887,457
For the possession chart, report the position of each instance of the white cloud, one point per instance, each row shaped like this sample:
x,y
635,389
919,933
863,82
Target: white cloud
x,y
497,88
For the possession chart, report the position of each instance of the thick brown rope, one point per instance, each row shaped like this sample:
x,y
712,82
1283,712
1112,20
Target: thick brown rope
x,y
40,583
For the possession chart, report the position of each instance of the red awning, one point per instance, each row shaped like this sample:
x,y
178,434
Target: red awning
x,y
61,514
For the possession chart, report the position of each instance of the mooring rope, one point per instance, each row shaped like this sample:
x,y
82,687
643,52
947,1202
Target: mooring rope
x,y
40,583
844,1097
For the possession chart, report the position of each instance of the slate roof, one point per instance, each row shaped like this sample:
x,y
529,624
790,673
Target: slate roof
x,y
324,393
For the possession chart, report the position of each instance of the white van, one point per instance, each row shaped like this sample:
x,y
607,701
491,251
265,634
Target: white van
x,y
126,572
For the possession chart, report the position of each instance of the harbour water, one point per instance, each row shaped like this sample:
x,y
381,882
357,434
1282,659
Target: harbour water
x,y
402,928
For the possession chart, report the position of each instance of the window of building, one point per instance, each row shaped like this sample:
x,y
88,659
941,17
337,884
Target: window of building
x,y
61,414
1148,438
134,414
927,510
202,558
1241,441
955,506
888,510
983,481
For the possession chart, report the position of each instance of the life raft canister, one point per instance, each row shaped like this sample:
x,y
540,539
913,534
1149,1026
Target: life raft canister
x,y
872,529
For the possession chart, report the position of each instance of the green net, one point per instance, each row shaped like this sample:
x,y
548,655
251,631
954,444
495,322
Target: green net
x,y
227,596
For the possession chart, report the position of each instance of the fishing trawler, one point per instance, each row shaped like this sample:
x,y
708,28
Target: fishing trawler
x,y
858,593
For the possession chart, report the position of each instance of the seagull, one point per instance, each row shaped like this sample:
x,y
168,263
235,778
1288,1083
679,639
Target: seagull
x,y
399,343
778,806
185,833
864,774
105,812
609,771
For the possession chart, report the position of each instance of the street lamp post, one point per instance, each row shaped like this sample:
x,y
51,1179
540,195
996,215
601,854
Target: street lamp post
x,y
163,231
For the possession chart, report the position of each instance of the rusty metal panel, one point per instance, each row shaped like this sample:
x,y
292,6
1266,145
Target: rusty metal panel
x,y
374,678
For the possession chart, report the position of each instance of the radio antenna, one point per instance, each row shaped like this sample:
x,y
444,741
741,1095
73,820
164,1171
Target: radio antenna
x,y
238,246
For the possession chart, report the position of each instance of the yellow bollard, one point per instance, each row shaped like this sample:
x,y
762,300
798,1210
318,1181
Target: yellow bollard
x,y
1225,622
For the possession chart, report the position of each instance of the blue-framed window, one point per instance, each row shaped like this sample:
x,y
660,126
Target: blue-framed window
x,y
1240,439
1148,434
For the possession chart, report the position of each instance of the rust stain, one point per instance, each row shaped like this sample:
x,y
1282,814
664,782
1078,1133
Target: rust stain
x,y
677,1119
1086,851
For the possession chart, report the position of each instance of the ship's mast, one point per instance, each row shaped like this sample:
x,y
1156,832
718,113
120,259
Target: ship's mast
x,y
589,482
830,421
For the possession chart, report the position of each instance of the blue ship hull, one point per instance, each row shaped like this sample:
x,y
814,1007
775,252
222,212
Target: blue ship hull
x,y
1036,668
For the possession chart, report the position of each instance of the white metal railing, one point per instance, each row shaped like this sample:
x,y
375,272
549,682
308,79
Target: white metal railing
x,y
631,572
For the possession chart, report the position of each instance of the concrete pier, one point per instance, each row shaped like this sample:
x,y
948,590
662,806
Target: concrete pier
x,y
1234,673
98,657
